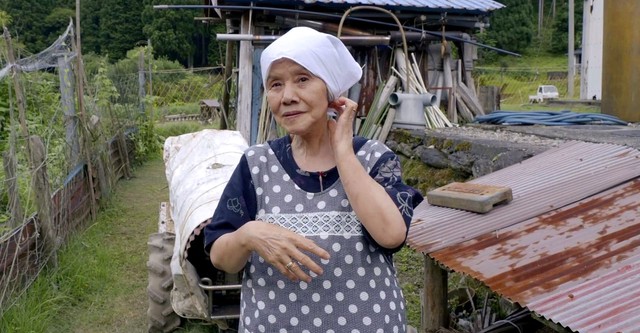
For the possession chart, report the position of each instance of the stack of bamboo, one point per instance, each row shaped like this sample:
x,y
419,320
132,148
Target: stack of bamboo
x,y
379,119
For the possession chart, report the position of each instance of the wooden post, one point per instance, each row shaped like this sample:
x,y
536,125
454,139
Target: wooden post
x,y
245,64
141,81
435,314
15,207
42,190
124,154
228,71
68,106
489,98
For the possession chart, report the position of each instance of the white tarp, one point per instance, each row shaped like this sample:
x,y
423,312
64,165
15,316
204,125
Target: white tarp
x,y
198,166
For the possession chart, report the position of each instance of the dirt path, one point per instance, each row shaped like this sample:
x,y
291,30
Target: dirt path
x,y
119,239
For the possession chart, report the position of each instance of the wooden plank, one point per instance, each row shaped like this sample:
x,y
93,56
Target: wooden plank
x,y
469,98
463,110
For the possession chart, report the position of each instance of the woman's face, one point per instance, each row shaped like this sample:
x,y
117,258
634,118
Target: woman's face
x,y
297,98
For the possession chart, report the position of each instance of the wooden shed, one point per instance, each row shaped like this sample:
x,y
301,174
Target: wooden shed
x,y
372,29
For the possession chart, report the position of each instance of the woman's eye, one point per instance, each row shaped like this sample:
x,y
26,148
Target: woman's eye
x,y
275,85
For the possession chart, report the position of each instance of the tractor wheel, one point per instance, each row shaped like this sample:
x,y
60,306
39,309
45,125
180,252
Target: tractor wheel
x,y
162,317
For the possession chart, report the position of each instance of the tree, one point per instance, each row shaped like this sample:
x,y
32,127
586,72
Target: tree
x,y
56,22
173,32
90,26
512,28
120,27
28,23
561,26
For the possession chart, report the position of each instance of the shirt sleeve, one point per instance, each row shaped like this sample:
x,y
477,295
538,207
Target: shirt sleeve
x,y
388,173
236,207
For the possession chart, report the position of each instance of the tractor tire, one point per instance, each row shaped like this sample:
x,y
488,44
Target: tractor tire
x,y
162,317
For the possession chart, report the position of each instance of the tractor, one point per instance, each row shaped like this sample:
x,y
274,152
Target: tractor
x,y
183,284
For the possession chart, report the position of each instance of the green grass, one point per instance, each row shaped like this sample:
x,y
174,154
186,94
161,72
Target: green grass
x,y
581,108
191,108
167,129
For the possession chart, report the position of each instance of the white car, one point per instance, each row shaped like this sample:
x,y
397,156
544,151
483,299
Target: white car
x,y
545,92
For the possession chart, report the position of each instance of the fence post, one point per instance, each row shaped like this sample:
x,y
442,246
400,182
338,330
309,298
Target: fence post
x,y
15,207
68,106
124,154
141,81
42,190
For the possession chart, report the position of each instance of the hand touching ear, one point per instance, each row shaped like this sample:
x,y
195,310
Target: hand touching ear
x,y
341,129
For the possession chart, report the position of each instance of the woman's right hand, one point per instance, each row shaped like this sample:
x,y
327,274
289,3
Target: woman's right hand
x,y
284,249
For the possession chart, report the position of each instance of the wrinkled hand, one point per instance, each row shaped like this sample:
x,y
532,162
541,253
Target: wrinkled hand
x,y
284,249
341,130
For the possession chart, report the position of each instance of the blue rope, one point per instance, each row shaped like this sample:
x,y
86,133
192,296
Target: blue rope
x,y
549,118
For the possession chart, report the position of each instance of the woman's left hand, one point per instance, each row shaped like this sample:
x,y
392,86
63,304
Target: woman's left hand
x,y
341,129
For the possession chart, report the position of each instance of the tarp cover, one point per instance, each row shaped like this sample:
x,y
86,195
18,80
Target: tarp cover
x,y
198,166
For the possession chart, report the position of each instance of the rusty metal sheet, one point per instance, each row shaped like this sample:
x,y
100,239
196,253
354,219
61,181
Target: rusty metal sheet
x,y
540,184
578,266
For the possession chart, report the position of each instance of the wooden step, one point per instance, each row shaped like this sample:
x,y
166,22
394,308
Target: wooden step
x,y
479,198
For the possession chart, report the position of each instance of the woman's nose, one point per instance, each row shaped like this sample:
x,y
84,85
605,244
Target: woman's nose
x,y
289,94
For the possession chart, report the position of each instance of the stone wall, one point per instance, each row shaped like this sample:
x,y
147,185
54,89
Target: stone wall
x,y
434,158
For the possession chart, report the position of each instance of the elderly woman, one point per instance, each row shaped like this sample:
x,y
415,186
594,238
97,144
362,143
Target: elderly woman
x,y
313,218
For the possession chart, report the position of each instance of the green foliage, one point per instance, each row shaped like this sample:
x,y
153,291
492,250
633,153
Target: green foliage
x,y
560,38
56,22
119,27
172,32
217,49
28,26
5,18
512,27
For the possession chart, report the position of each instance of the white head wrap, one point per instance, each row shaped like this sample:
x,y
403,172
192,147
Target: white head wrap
x,y
324,55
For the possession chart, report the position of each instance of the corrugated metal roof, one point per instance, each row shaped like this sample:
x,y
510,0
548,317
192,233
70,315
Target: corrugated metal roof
x,y
552,179
475,6
576,264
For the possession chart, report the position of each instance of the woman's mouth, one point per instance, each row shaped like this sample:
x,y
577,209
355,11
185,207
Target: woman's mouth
x,y
291,114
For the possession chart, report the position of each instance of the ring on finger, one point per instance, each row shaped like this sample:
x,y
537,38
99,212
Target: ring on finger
x,y
290,265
